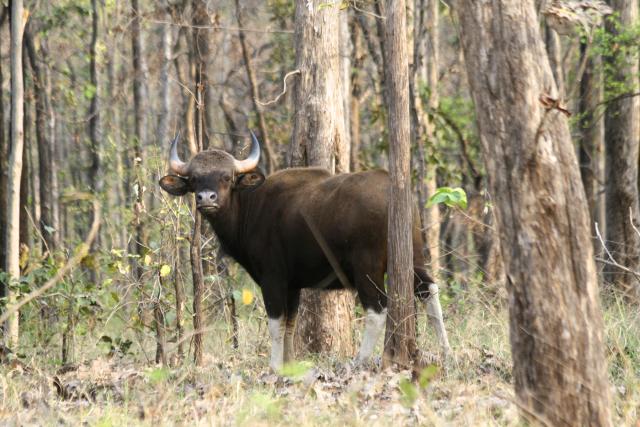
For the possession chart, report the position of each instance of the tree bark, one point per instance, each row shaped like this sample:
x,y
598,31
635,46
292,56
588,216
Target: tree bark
x,y
4,168
554,51
317,140
45,149
165,93
425,69
591,143
556,327
400,335
622,143
140,97
356,92
95,129
12,239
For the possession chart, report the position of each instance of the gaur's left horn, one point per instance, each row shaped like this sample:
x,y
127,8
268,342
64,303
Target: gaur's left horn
x,y
250,162
175,164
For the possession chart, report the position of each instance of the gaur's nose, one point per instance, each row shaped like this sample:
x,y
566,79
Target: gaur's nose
x,y
206,197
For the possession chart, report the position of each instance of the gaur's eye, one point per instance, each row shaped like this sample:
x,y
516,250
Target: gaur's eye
x,y
227,178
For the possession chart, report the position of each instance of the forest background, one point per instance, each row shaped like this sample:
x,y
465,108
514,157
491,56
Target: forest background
x,y
107,256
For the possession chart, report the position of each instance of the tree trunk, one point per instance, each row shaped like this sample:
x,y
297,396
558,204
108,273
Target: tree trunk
x,y
95,129
622,142
317,140
165,92
425,69
556,327
4,168
140,74
255,94
12,239
356,92
400,336
591,136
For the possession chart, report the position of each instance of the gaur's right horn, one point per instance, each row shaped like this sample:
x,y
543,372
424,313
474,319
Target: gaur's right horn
x,y
250,162
175,164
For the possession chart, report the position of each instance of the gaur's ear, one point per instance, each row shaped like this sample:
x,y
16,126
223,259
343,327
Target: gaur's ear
x,y
176,185
251,179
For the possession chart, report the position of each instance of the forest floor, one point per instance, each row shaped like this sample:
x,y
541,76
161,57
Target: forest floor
x,y
236,387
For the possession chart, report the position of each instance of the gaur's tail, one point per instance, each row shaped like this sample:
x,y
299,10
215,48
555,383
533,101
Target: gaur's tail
x,y
421,282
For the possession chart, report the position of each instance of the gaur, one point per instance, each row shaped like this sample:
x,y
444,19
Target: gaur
x,y
302,228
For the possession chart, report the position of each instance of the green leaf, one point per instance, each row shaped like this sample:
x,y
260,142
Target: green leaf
x,y
452,197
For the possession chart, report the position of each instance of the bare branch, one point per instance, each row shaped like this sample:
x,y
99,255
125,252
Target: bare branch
x,y
284,90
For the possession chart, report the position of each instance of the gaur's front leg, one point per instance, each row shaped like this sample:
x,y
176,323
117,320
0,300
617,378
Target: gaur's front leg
x,y
274,303
277,332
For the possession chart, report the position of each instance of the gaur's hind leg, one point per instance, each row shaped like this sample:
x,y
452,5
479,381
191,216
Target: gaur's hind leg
x,y
293,301
371,293
426,289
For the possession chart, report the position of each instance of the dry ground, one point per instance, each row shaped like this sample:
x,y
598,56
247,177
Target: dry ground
x,y
235,387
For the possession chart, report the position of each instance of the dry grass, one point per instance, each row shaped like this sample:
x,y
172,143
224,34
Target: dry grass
x,y
235,387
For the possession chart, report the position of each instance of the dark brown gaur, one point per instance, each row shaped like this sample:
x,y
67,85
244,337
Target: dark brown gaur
x,y
301,228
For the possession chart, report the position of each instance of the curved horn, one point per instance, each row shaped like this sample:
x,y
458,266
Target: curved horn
x,y
254,156
175,164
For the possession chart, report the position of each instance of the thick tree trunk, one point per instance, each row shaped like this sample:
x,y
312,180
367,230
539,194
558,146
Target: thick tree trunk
x,y
12,239
622,143
400,336
318,135
556,327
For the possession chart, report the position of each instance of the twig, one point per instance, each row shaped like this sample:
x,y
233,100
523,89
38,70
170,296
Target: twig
x,y
83,250
611,261
284,90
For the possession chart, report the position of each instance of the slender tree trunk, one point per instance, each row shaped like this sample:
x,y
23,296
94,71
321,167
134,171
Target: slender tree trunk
x,y
95,129
556,327
255,94
591,135
12,239
400,336
318,135
622,144
356,93
165,93
52,167
140,140
425,69
196,255
4,168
